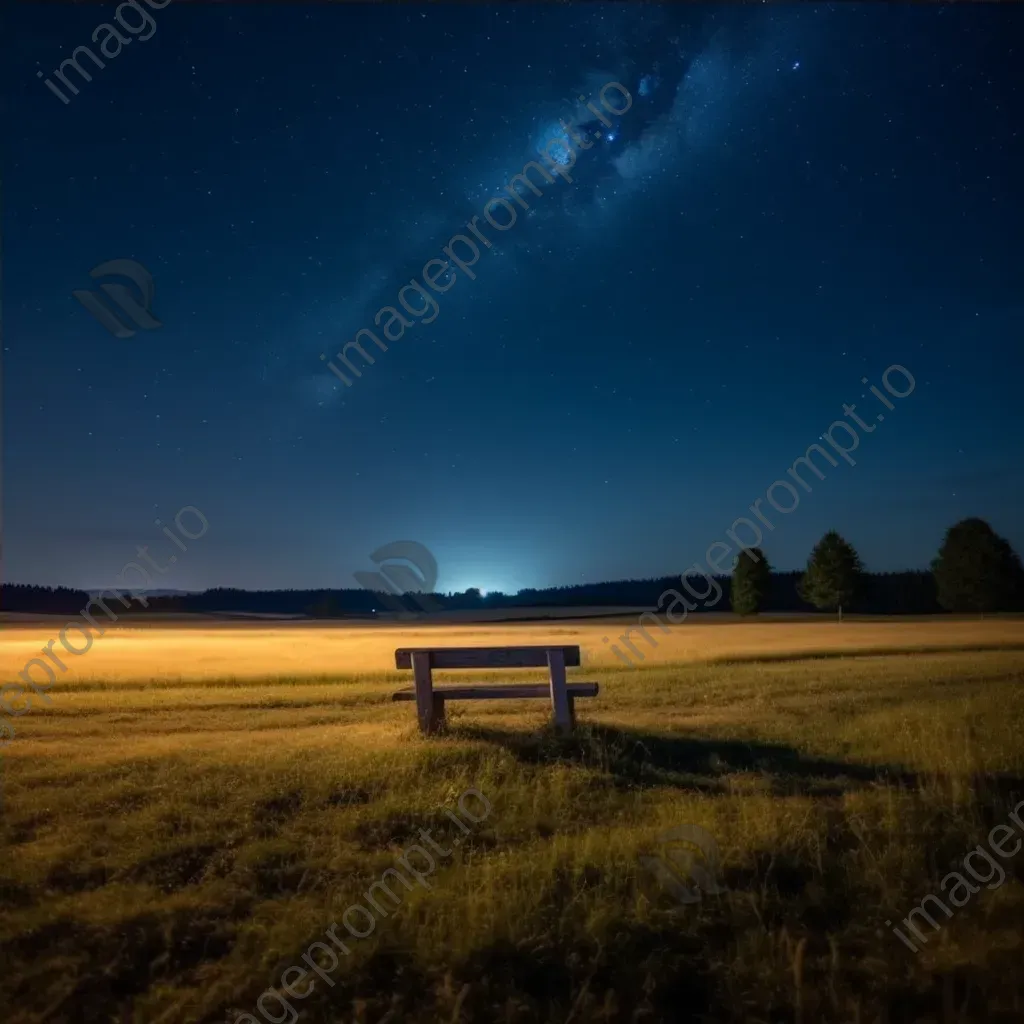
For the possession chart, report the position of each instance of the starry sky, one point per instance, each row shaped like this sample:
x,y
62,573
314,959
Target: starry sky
x,y
797,198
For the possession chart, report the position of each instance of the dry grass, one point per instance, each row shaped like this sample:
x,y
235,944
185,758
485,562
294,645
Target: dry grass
x,y
188,651
172,848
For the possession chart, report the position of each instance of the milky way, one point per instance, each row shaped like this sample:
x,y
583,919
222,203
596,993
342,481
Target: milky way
x,y
690,77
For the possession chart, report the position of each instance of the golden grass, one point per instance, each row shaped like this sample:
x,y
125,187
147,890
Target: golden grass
x,y
171,848
303,649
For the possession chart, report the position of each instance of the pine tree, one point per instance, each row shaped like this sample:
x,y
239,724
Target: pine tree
x,y
833,574
751,579
976,569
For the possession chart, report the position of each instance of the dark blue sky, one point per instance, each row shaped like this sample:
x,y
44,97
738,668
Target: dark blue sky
x,y
796,199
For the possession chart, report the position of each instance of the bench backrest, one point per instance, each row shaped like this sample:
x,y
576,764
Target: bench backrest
x,y
486,657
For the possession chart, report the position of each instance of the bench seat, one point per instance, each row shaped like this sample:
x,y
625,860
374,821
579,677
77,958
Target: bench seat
x,y
501,691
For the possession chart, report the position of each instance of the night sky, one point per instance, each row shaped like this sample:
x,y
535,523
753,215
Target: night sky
x,y
796,199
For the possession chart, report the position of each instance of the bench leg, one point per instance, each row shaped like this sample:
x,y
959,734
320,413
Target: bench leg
x,y
426,699
561,703
572,711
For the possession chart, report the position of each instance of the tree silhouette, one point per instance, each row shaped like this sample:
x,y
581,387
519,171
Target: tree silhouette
x,y
833,574
977,570
751,579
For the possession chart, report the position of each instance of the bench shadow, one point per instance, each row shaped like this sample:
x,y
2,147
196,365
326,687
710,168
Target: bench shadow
x,y
632,757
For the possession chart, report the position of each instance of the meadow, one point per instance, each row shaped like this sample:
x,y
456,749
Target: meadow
x,y
200,801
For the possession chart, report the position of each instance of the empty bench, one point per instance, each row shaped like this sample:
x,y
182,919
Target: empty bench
x,y
430,699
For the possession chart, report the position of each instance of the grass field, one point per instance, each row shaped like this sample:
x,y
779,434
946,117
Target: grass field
x,y
198,804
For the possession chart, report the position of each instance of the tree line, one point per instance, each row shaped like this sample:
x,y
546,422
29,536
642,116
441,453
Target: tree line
x,y
975,570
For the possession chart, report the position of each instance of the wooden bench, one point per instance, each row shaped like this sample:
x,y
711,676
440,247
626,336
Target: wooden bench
x,y
430,698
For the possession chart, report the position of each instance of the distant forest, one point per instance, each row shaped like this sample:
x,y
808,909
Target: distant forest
x,y
899,593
